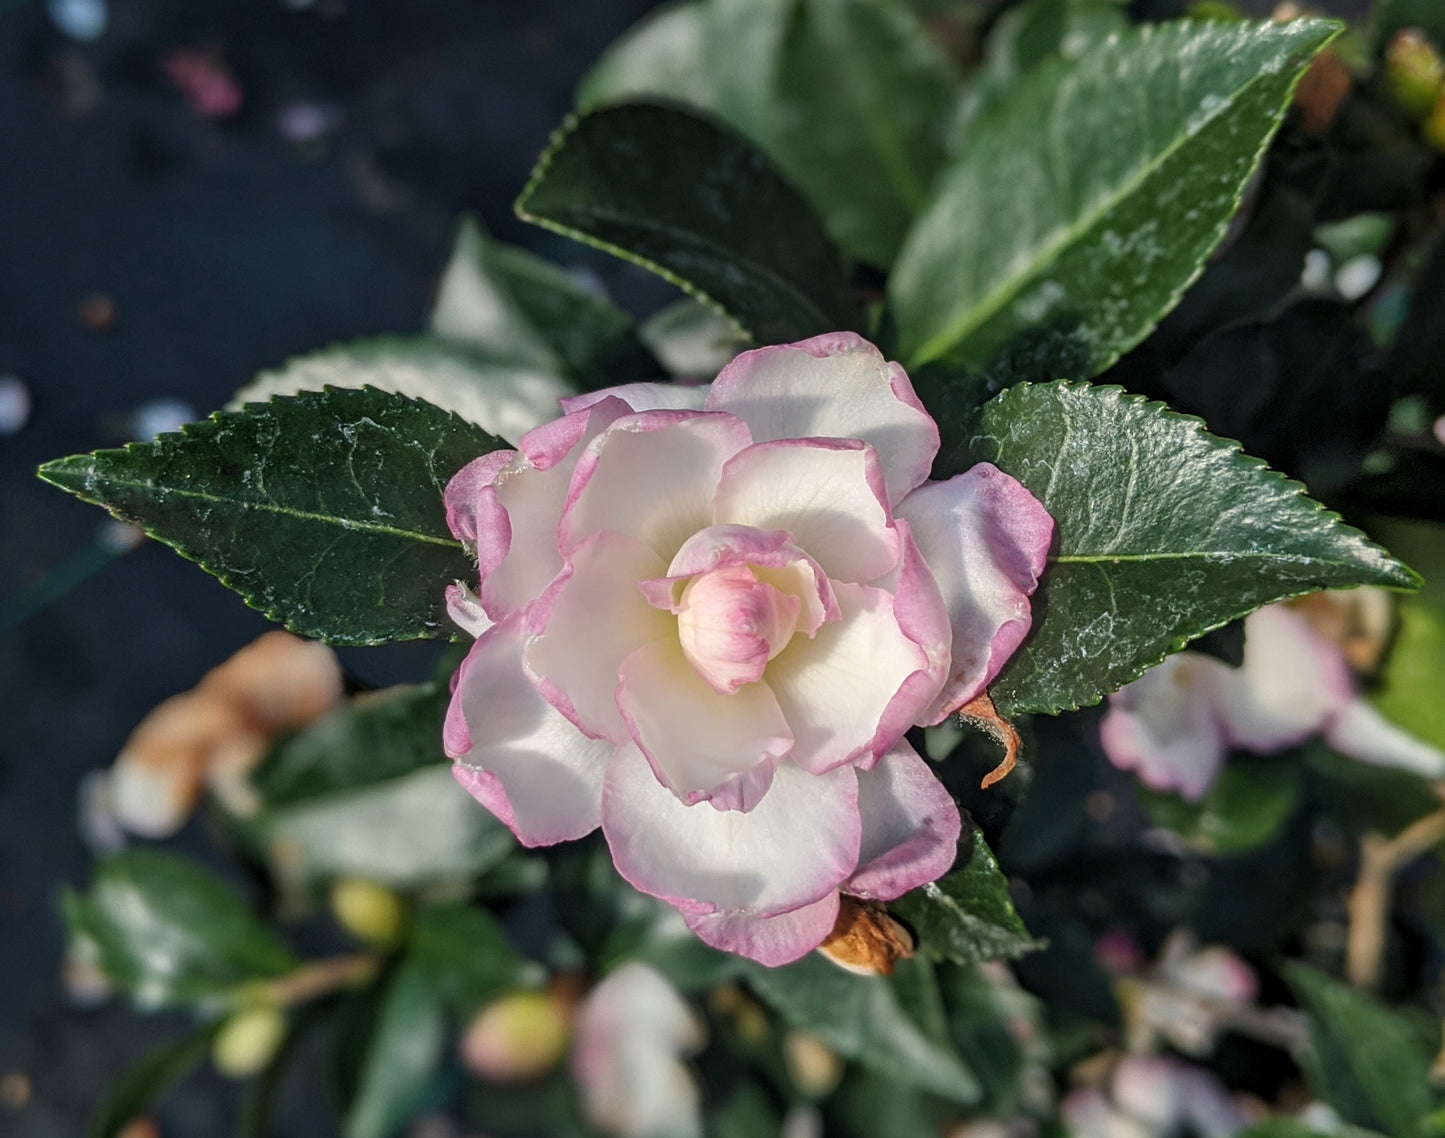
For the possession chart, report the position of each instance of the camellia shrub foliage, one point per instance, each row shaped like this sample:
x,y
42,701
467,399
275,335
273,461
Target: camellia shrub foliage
x,y
972,666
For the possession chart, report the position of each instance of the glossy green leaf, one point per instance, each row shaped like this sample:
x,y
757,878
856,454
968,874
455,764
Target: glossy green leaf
x,y
851,100
369,739
508,303
990,1022
1162,532
699,205
142,1084
1244,808
169,934
323,510
862,1018
1364,1059
402,1057
1081,208
407,833
467,957
503,394
966,916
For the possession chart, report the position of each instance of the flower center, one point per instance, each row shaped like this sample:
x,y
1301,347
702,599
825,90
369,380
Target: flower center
x,y
731,624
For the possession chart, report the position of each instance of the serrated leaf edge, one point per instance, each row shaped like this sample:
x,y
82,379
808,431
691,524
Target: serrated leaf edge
x,y
1235,448
228,579
942,343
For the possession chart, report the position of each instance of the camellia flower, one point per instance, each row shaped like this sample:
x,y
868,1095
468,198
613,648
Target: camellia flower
x,y
1174,725
706,628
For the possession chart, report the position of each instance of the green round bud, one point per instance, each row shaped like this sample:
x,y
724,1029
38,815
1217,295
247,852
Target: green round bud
x,y
368,911
248,1041
1414,73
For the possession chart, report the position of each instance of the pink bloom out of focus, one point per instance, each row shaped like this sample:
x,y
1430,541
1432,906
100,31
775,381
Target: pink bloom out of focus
x,y
1174,725
707,616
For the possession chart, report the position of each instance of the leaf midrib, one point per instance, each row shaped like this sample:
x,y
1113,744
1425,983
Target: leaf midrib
x,y
1189,554
995,302
250,504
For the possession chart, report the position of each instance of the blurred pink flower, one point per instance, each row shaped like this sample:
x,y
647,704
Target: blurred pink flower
x,y
1174,725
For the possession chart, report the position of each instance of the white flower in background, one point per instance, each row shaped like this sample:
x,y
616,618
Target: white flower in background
x,y
1174,725
631,1034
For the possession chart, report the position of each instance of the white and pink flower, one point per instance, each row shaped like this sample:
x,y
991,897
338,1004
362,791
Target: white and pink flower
x,y
707,616
1174,725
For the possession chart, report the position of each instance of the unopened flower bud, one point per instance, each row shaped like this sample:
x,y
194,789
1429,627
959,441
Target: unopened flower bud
x,y
518,1037
368,910
1414,72
248,1041
813,1066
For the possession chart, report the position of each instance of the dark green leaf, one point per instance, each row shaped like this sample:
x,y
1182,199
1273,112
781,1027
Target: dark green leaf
x,y
1361,797
168,933
402,1057
1364,1060
502,394
147,1080
967,916
467,957
1083,206
1245,807
850,100
1163,532
508,303
323,510
862,1018
699,205
406,833
369,739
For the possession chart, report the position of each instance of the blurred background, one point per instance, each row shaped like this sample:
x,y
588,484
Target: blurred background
x,y
190,193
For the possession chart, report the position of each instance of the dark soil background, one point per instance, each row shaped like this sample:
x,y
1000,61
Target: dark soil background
x,y
150,252
223,248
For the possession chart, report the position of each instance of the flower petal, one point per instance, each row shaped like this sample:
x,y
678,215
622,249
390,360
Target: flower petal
x,y
986,539
1165,726
839,690
793,849
773,941
515,753
1290,685
645,397
832,386
590,619
465,609
519,510
828,493
651,475
1361,732
910,827
702,744
464,489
